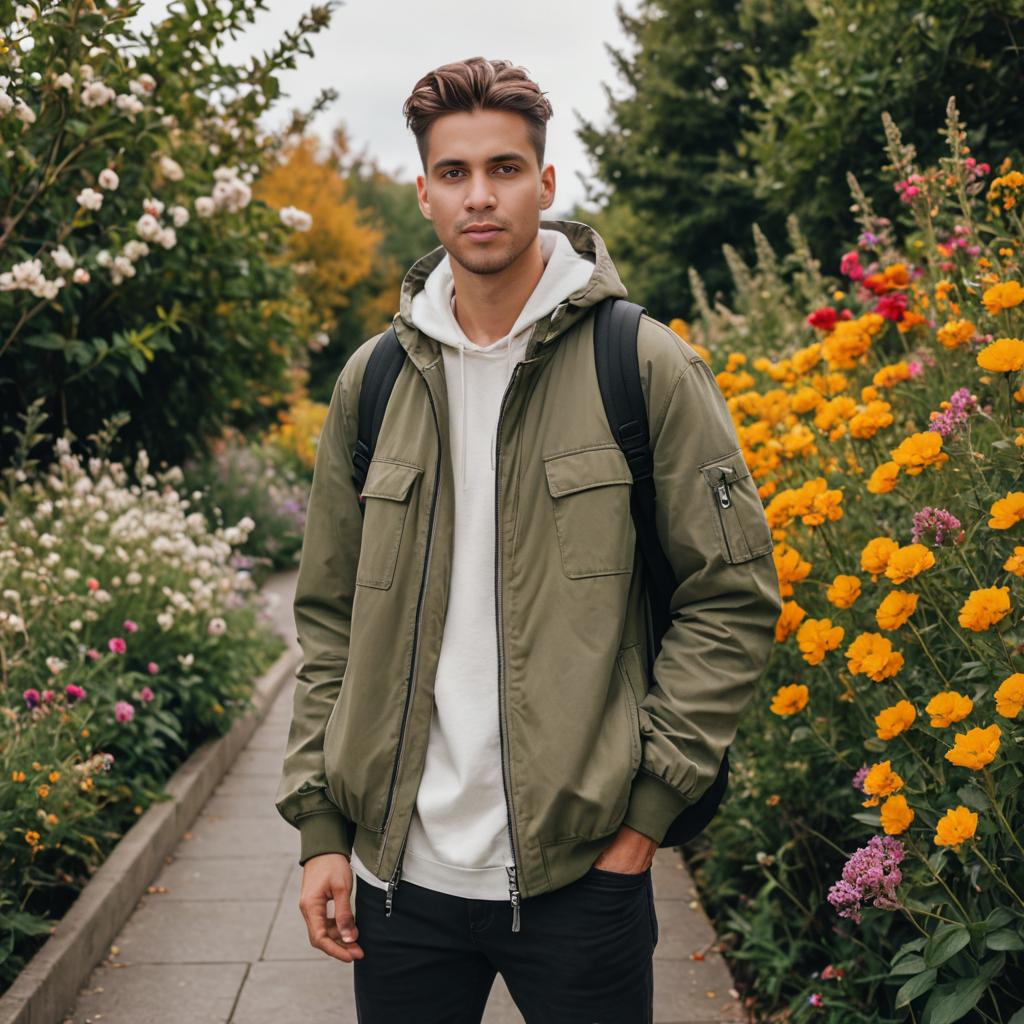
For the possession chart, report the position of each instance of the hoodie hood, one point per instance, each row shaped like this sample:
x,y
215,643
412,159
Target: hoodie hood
x,y
577,273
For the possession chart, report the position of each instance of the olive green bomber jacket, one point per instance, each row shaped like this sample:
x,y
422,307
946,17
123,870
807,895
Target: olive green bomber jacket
x,y
589,743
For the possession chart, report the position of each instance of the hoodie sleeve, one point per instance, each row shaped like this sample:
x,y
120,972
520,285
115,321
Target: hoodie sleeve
x,y
727,600
323,609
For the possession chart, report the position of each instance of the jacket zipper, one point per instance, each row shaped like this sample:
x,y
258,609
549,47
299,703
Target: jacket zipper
x,y
513,879
396,874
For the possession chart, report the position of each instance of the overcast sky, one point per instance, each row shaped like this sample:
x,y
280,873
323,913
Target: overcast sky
x,y
376,50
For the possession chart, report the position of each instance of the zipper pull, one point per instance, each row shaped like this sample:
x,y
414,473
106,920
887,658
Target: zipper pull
x,y
393,884
724,500
513,896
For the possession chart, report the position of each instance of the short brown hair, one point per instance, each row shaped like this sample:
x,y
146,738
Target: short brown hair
x,y
477,83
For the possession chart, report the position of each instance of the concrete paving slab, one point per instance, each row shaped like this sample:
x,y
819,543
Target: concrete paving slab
x,y
293,992
240,837
224,878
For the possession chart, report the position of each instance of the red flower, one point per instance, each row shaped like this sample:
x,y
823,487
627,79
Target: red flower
x,y
892,306
824,318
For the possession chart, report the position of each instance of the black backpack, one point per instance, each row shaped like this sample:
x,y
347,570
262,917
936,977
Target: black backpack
x,y
618,373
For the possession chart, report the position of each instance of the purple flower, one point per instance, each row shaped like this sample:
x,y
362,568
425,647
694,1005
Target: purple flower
x,y
938,523
958,410
858,778
32,697
870,875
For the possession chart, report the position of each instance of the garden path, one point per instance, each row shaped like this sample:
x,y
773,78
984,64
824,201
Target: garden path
x,y
219,939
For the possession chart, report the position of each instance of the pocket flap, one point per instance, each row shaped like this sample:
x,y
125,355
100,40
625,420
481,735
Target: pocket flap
x,y
389,479
594,467
728,468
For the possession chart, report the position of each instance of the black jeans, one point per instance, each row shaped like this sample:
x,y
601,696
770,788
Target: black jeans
x,y
583,954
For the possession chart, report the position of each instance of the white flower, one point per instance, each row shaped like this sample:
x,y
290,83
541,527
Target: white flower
x,y
167,238
143,85
217,626
89,198
80,276
171,168
64,81
6,103
205,206
179,214
97,93
25,12
148,227
128,104
103,258
55,664
165,620
108,178
122,268
24,112
186,660
86,72
153,206
293,217
134,249
319,341
62,258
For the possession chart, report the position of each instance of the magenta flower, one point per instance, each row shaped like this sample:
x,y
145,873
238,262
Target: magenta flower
x,y
49,695
815,999
952,419
870,875
130,626
152,668
123,711
117,645
937,523
915,368
32,697
92,654
73,692
849,266
892,306
858,778
146,694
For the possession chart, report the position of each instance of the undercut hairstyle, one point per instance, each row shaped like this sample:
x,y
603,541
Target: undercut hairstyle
x,y
477,83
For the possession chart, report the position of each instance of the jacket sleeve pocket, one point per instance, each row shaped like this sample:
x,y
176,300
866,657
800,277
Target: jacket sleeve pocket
x,y
386,506
738,515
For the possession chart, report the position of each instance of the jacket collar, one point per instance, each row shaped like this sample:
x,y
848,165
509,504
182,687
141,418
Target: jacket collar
x,y
605,281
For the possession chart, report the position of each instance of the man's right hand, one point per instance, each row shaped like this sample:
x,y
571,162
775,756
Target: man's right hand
x,y
329,876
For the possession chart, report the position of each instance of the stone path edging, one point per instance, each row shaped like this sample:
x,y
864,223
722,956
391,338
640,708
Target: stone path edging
x,y
48,985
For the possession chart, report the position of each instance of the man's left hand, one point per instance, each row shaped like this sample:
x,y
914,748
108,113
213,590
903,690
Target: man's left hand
x,y
630,852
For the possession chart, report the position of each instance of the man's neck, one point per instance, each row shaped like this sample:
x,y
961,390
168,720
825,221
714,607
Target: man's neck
x,y
487,305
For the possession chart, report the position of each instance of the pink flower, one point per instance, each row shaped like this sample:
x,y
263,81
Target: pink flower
x,y
49,695
849,266
130,626
892,306
815,999
32,697
117,645
123,711
146,694
92,654
915,368
74,692
152,668
92,583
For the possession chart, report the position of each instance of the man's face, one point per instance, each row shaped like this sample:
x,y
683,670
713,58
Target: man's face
x,y
482,169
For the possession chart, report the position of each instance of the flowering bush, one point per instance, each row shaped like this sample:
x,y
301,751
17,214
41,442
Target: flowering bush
x,y
887,439
127,637
137,272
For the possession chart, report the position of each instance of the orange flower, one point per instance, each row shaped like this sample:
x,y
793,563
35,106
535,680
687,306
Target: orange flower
x,y
789,618
871,654
896,815
1015,562
920,450
984,608
897,606
975,748
955,333
1003,296
1004,355
843,591
1010,695
876,554
789,566
790,700
948,707
956,826
1008,511
883,478
816,637
880,781
894,720
909,561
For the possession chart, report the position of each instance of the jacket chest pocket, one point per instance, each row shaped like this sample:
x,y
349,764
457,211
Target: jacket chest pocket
x,y
737,513
386,493
590,492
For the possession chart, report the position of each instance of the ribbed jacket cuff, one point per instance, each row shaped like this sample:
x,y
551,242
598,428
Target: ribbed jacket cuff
x,y
324,832
653,806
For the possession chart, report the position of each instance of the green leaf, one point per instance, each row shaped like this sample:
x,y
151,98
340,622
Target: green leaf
x,y
998,918
1004,939
916,986
908,965
872,818
49,339
954,1005
974,798
1017,1018
947,940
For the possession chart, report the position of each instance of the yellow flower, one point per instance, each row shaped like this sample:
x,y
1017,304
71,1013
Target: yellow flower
x,y
891,374
43,791
948,707
789,700
897,606
975,748
909,561
1004,355
871,654
984,608
1008,511
843,591
920,450
31,837
1015,563
892,721
956,826
1010,695
789,618
896,815
1003,296
876,554
880,781
816,637
883,478
789,566
955,333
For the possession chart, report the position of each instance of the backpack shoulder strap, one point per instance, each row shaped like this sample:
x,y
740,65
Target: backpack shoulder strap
x,y
617,322
382,369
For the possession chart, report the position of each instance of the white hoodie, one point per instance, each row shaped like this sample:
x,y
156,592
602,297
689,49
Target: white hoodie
x,y
458,838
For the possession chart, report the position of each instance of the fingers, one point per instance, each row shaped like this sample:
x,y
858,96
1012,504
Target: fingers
x,y
324,933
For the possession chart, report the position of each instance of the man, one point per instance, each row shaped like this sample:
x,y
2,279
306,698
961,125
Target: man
x,y
473,727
